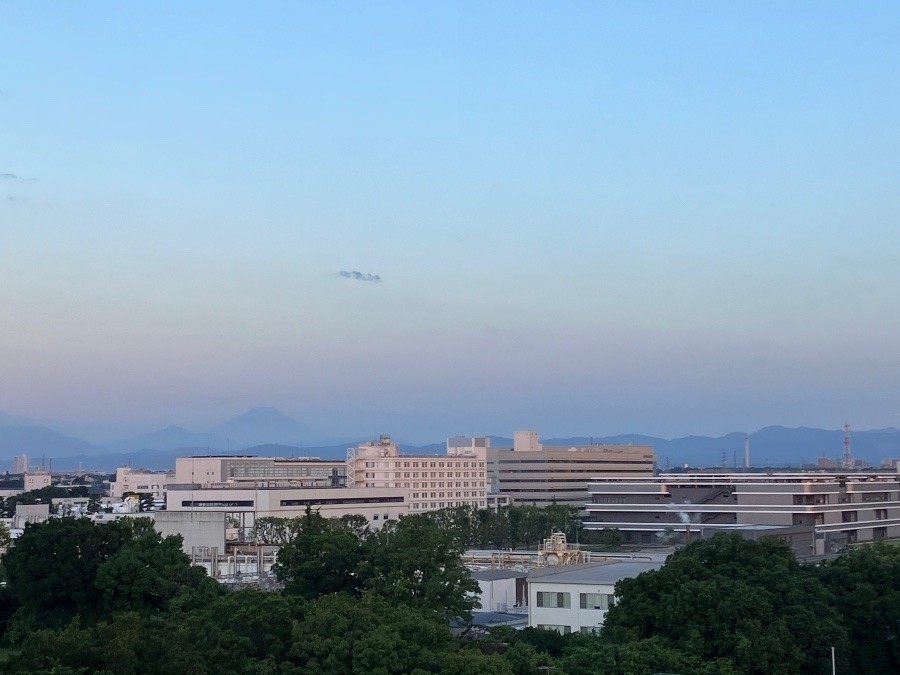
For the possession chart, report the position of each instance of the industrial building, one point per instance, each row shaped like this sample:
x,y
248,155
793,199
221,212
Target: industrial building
x,y
836,508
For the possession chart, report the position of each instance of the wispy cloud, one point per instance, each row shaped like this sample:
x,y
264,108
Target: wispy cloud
x,y
359,276
15,177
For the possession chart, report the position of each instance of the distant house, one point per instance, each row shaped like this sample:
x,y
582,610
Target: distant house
x,y
572,599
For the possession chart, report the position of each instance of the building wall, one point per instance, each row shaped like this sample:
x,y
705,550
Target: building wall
x,y
20,464
36,481
140,481
243,505
847,508
198,530
30,513
532,473
431,482
246,469
497,595
571,619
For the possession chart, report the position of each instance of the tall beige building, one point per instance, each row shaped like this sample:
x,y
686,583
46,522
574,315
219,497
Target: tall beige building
x,y
533,473
20,464
432,481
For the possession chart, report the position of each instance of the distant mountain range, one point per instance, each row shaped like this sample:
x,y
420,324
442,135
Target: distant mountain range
x,y
268,431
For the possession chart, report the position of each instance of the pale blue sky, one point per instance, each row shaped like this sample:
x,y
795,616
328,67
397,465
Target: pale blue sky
x,y
588,218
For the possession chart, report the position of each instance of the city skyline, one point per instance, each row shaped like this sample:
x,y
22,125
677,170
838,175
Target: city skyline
x,y
451,219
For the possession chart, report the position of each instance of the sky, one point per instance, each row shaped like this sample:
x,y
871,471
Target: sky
x,y
430,219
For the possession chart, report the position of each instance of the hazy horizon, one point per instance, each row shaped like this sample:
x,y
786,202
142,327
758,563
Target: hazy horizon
x,y
431,220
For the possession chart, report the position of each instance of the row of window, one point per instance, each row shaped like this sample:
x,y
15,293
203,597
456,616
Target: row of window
x,y
565,630
415,486
566,460
554,599
415,474
434,495
425,506
425,465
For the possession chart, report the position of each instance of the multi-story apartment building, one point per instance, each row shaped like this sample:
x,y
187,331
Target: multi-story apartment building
x,y
532,473
841,508
432,481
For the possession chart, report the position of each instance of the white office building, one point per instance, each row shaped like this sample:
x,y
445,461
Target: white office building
x,y
576,598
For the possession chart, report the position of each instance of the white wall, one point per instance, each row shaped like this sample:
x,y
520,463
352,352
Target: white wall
x,y
498,595
573,616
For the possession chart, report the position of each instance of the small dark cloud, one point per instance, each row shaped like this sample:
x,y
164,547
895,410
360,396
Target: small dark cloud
x,y
359,276
16,177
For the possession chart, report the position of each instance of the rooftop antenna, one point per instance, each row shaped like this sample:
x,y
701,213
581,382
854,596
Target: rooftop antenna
x,y
847,461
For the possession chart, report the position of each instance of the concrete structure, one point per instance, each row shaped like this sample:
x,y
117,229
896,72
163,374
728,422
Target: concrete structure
x,y
573,599
30,513
37,480
140,481
204,530
532,473
500,590
430,481
242,506
253,471
840,508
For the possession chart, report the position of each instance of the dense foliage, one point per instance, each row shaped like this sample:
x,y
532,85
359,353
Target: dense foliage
x,y
118,598
44,495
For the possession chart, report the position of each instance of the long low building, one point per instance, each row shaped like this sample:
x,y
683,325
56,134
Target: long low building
x,y
243,505
840,509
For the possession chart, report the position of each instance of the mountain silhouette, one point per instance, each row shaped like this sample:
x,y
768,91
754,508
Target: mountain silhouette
x,y
167,439
263,425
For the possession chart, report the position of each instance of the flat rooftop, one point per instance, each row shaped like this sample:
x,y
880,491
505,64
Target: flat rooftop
x,y
601,573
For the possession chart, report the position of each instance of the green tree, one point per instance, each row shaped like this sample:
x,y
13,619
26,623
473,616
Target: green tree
x,y
323,557
418,563
339,635
94,505
610,537
276,531
146,573
5,539
747,603
866,586
52,568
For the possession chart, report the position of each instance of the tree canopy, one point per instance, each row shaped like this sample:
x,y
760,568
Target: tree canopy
x,y
748,602
119,598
